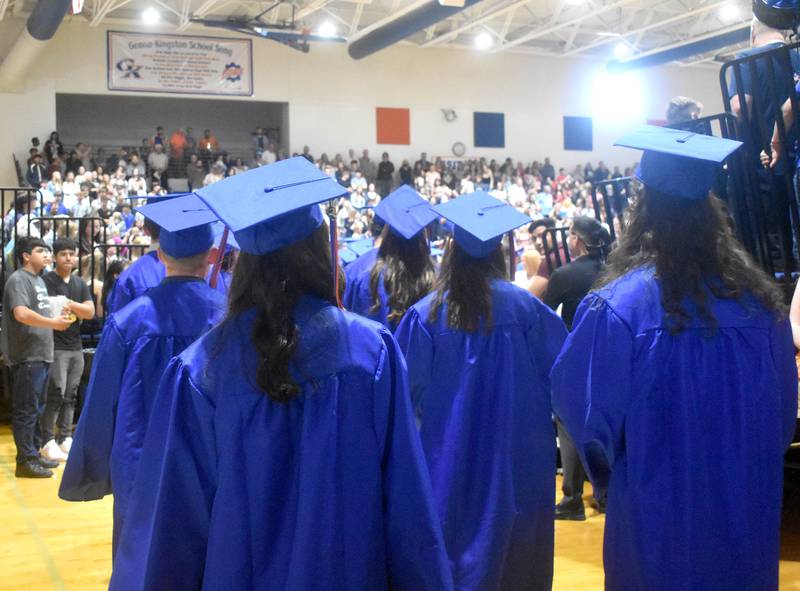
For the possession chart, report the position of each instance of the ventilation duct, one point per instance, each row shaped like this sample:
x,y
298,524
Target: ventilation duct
x,y
681,51
42,24
389,31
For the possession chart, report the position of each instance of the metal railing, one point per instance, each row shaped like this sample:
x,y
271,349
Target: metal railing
x,y
756,89
556,248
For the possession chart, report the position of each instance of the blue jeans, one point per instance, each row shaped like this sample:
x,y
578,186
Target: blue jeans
x,y
28,394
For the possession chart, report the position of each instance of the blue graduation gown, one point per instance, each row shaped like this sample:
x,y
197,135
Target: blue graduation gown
x,y
144,274
363,263
135,347
327,492
484,404
361,299
686,432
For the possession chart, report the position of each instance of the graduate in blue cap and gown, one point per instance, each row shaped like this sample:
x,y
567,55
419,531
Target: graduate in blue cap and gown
x,y
403,271
289,457
679,387
145,272
135,347
365,260
479,351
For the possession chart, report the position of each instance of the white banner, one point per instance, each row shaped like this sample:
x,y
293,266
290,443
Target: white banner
x,y
182,64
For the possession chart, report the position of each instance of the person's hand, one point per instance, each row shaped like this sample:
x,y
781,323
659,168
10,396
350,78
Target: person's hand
x,y
777,153
61,323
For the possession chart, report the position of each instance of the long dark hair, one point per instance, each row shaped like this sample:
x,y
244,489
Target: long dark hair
x,y
113,271
408,272
465,283
273,283
693,249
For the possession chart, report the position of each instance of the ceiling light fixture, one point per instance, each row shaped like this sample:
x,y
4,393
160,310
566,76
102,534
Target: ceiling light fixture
x,y
151,16
484,40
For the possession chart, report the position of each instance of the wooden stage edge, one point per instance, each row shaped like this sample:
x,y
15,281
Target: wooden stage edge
x,y
51,545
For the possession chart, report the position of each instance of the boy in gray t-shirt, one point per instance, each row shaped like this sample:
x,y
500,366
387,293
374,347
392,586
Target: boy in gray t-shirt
x,y
27,344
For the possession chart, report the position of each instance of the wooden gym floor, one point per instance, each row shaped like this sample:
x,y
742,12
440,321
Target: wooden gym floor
x,y
48,544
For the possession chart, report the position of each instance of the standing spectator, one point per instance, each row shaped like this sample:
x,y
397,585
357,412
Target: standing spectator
x,y
67,367
548,171
601,173
158,162
260,140
159,139
385,175
177,145
421,166
37,172
406,174
53,148
191,142
195,173
27,344
367,166
84,153
209,146
307,154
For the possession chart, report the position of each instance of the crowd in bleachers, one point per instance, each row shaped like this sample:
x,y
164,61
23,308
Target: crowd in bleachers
x,y
83,182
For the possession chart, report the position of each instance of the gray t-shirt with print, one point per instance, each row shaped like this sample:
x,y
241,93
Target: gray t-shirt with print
x,y
20,342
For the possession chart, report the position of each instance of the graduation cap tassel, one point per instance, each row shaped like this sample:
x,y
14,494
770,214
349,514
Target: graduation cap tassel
x,y
223,244
334,251
512,256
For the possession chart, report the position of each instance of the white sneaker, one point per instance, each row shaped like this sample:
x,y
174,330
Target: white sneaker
x,y
51,451
66,445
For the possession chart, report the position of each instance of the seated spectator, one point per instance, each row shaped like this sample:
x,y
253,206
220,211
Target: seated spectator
x,y
682,108
137,185
135,163
217,173
195,173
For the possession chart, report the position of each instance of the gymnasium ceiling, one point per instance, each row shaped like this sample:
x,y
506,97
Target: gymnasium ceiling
x,y
602,29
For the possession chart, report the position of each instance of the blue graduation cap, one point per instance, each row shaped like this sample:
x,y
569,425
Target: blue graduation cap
x,y
480,221
185,222
347,256
678,163
405,212
272,206
362,246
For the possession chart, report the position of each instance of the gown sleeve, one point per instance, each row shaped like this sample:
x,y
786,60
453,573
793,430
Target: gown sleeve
x,y
591,386
783,356
417,559
87,475
118,297
417,346
164,539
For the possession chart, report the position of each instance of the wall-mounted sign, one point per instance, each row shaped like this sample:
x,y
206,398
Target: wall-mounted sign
x,y
145,62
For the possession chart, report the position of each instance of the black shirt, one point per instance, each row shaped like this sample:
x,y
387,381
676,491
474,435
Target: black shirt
x,y
77,291
385,170
569,285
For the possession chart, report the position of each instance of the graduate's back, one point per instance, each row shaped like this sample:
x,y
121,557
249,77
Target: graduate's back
x,y
694,426
327,491
142,275
483,399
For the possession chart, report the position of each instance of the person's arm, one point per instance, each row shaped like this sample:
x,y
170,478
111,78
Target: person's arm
x,y
25,315
736,107
83,310
776,144
163,544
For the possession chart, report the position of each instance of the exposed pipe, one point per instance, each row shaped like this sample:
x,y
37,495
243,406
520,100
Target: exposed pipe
x,y
42,24
679,51
396,28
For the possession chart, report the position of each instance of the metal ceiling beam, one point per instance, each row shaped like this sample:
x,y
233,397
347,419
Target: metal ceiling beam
x,y
3,8
356,18
508,8
203,10
105,9
650,27
557,27
166,6
311,8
